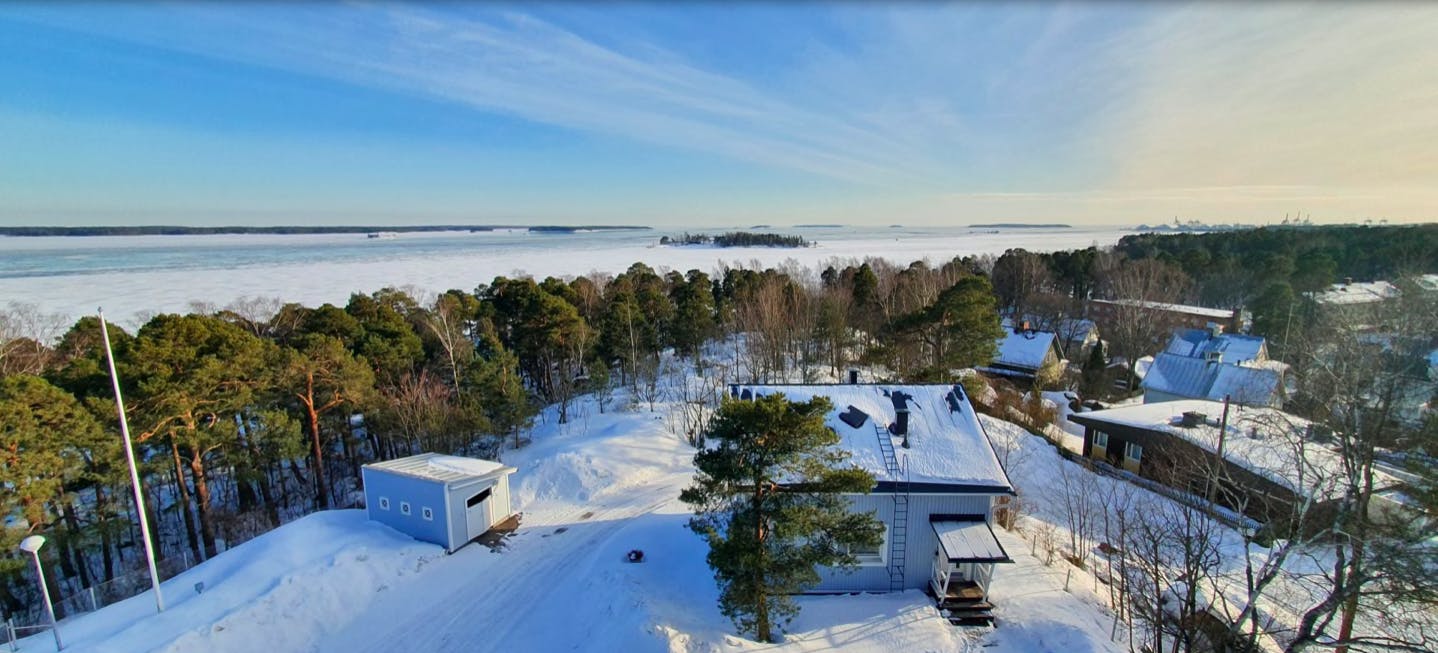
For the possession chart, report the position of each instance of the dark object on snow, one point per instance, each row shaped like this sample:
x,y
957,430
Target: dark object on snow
x,y
854,417
635,555
953,399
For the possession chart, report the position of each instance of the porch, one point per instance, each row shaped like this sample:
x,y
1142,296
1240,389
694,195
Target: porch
x,y
963,570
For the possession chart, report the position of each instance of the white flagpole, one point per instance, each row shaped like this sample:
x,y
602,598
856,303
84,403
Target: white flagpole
x,y
134,473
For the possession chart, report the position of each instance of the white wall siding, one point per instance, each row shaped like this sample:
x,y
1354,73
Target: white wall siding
x,y
922,543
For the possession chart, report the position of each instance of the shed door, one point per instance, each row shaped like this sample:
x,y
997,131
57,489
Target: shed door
x,y
476,512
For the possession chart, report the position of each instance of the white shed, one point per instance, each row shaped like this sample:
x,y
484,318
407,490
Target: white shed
x,y
447,500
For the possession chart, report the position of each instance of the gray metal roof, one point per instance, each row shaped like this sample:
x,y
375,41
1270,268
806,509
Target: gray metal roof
x,y
969,541
442,468
1200,379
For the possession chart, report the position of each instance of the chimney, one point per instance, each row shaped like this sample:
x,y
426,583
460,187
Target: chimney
x,y
901,415
1192,418
1347,281
1215,329
1213,356
853,377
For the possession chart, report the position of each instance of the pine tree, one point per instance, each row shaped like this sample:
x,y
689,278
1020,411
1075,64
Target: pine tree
x,y
769,498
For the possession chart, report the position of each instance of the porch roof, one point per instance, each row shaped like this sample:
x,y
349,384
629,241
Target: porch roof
x,y
969,541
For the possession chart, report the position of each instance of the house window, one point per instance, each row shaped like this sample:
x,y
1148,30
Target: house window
x,y
404,508
1134,452
1100,439
427,513
871,556
384,503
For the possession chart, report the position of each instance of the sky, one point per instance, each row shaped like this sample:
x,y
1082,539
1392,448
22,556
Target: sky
x,y
676,114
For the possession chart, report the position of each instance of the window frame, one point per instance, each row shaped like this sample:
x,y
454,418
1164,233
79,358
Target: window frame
x,y
404,508
1100,439
880,559
426,513
384,503
1128,451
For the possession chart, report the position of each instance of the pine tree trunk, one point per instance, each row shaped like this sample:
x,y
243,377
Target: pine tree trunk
x,y
322,497
202,501
107,558
184,503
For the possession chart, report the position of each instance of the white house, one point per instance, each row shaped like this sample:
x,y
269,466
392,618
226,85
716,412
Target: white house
x,y
446,500
938,483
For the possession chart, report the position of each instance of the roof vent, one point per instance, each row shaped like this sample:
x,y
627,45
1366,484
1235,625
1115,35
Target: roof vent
x,y
1213,356
1191,419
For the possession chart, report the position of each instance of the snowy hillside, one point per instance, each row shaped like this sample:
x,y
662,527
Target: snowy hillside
x,y
589,491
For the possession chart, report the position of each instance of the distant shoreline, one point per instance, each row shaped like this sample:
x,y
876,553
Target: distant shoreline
x,y
159,230
1020,225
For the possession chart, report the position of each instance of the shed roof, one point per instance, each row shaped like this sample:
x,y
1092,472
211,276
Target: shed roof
x,y
948,448
969,541
442,468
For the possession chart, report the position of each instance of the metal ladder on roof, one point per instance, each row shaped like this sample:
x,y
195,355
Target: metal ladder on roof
x,y
899,530
886,448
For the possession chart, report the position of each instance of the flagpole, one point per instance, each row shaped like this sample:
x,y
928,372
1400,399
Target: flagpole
x,y
134,473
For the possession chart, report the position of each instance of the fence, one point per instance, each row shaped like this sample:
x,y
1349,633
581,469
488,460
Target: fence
x,y
90,599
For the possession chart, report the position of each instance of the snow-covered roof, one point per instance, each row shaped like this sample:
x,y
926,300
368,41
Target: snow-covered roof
x,y
946,447
1233,347
1360,292
1176,308
1265,441
1253,384
1427,282
969,541
442,468
1024,348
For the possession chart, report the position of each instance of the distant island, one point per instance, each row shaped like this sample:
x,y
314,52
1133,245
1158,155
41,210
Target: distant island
x,y
1020,225
158,230
737,239
818,226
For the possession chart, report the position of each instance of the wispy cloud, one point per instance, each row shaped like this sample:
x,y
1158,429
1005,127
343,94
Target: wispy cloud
x,y
1105,109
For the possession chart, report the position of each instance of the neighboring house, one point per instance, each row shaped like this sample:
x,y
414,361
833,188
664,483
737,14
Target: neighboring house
x,y
1260,464
1173,378
445,500
1024,354
1351,293
1211,341
938,483
1197,317
1209,364
1075,336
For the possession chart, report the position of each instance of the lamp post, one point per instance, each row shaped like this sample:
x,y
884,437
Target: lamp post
x,y
31,545
134,473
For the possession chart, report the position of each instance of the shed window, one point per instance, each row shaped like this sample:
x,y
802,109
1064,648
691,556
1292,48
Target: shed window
x,y
384,503
1100,439
427,513
404,508
478,498
1134,451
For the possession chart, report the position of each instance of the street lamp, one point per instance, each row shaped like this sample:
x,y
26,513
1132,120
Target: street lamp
x,y
31,545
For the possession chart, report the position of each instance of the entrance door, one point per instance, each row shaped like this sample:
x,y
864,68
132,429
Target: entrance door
x,y
476,513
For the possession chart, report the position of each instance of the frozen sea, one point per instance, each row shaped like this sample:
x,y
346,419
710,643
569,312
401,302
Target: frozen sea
x,y
136,276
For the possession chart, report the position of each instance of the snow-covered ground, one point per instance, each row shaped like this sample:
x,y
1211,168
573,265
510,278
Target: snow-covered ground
x,y
589,491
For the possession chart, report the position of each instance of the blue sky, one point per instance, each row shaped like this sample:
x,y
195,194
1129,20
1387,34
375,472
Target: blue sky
x,y
693,114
